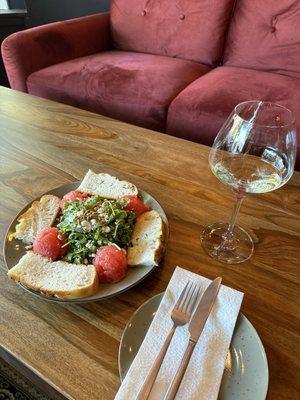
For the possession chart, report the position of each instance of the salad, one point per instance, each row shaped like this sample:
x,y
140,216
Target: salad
x,y
93,223
92,230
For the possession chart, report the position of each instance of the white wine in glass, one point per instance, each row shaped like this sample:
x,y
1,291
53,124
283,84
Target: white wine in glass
x,y
254,152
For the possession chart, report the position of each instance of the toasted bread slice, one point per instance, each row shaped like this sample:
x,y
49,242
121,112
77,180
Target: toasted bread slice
x,y
59,278
40,215
106,186
147,240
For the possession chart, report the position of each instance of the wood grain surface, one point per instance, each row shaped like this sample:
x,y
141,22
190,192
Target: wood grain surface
x,y
74,349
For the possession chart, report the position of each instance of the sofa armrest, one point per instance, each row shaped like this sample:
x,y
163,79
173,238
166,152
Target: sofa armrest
x,y
33,49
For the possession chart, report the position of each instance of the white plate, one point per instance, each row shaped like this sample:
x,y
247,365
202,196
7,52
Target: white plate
x,y
12,254
246,375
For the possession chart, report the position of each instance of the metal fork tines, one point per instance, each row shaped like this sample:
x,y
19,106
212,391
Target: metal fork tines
x,y
180,315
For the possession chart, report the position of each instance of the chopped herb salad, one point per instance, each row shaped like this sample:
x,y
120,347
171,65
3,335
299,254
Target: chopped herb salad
x,y
93,223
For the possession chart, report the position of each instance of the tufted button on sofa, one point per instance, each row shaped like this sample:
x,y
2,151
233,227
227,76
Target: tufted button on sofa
x,y
176,67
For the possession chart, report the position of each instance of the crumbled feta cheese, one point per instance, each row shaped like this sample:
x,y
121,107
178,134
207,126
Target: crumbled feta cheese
x,y
89,244
86,226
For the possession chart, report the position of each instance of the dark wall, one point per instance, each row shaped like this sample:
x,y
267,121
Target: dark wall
x,y
20,4
45,11
9,23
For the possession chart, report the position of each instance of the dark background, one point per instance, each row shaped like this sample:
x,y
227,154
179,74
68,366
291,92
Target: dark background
x,y
18,4
41,12
44,11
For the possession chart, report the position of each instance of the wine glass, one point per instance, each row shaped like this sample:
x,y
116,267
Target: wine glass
x,y
254,152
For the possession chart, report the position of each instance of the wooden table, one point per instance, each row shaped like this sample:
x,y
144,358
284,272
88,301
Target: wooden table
x,y
72,350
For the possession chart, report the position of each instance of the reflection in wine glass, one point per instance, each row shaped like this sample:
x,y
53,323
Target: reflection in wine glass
x,y
254,152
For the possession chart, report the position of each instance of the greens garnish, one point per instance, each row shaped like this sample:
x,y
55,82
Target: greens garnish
x,y
93,223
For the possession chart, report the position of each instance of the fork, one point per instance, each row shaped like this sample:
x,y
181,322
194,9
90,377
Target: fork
x,y
180,315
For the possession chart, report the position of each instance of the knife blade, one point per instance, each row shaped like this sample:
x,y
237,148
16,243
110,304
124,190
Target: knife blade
x,y
203,309
196,327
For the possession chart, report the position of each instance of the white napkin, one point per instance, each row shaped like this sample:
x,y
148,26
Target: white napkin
x,y
204,373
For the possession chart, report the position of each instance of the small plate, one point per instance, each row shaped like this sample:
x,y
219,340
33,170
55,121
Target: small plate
x,y
246,374
12,254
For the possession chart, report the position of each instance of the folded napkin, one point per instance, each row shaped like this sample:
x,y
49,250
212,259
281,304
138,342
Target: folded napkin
x,y
204,373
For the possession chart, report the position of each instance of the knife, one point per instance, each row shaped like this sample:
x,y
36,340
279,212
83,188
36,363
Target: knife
x,y
196,327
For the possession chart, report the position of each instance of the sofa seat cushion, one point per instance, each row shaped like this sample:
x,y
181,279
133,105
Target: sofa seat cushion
x,y
132,87
199,111
265,35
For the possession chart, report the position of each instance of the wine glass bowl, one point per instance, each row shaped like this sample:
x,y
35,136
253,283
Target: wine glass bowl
x,y
254,152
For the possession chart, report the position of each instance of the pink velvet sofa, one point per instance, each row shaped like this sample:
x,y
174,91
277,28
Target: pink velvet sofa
x,y
173,66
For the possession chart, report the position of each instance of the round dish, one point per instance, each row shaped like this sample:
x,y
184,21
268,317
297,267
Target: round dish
x,y
246,374
12,254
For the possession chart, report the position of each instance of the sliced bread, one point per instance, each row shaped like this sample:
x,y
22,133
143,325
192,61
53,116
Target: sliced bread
x,y
59,278
40,215
147,240
106,186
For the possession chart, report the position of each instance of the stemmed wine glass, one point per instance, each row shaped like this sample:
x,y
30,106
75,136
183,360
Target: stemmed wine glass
x,y
254,152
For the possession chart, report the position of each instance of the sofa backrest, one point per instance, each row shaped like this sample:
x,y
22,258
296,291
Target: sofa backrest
x,y
265,35
188,29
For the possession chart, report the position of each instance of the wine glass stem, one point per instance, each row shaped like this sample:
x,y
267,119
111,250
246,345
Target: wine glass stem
x,y
239,199
227,241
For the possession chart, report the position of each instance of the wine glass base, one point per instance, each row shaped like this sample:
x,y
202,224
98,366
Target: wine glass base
x,y
235,250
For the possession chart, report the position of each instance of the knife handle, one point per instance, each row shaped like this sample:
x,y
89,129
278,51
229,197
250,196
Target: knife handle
x,y
173,388
152,374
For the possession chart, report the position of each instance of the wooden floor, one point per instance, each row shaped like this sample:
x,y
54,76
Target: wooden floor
x,y
75,348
